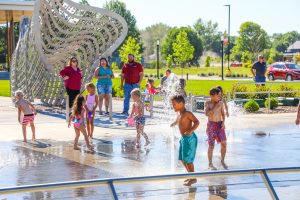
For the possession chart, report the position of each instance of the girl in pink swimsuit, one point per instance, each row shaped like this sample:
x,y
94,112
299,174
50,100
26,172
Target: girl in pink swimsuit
x,y
91,104
78,113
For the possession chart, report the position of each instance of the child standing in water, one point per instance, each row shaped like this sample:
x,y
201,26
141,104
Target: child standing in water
x,y
221,94
78,112
29,111
147,96
187,124
138,113
91,104
214,110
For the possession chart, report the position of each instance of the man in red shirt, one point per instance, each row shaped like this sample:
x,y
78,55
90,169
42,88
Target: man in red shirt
x,y
132,75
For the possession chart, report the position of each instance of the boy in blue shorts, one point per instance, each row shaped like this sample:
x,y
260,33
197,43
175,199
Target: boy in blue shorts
x,y
187,124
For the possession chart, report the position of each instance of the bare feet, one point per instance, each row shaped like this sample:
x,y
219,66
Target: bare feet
x,y
25,141
212,167
190,182
187,180
224,165
76,148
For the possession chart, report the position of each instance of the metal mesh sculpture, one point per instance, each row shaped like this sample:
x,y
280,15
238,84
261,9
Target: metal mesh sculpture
x,y
59,30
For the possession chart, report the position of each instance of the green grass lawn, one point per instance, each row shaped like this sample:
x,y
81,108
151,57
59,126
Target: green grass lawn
x,y
197,70
4,88
196,87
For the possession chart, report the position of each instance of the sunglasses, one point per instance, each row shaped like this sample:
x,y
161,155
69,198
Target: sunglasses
x,y
74,61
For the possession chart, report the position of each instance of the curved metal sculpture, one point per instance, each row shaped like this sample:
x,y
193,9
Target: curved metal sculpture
x,y
61,29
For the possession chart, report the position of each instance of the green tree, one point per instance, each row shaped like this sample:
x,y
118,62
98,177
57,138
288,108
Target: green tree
x,y
120,8
252,38
151,34
169,61
130,46
282,41
183,50
209,34
207,61
167,46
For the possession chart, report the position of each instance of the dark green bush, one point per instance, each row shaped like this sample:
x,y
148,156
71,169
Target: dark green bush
x,y
242,88
146,75
273,103
251,106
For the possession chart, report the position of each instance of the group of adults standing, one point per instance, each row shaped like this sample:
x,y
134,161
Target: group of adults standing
x,y
131,78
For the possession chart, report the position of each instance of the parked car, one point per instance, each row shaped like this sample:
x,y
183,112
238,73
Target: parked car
x,y
284,70
236,64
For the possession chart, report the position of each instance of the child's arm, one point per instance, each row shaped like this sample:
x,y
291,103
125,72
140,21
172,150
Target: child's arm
x,y
85,99
226,107
133,108
175,123
195,125
223,116
32,107
71,117
96,103
19,114
210,111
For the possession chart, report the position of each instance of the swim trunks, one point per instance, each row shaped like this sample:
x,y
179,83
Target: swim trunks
x,y
214,132
187,148
140,121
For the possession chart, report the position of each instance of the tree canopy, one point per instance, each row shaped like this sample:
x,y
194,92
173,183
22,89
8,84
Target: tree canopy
x,y
183,50
130,46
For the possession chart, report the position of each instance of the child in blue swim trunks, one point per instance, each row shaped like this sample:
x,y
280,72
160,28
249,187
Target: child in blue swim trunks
x,y
187,124
138,114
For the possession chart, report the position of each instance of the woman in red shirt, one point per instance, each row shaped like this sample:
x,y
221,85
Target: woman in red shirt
x,y
72,79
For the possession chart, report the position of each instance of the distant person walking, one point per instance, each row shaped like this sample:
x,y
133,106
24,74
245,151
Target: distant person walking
x,y
132,75
104,74
259,70
72,79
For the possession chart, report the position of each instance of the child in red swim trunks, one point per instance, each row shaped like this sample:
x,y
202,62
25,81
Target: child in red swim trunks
x,y
214,110
29,112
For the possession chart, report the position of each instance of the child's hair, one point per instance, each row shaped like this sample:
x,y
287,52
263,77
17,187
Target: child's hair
x,y
19,93
136,91
214,91
178,99
150,81
90,85
77,105
220,88
147,85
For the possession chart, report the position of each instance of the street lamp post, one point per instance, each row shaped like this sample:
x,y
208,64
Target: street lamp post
x,y
157,58
222,56
228,5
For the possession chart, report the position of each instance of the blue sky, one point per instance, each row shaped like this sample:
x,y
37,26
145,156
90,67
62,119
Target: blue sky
x,y
275,16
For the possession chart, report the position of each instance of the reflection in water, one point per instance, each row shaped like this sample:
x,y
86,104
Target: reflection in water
x,y
192,193
217,191
130,151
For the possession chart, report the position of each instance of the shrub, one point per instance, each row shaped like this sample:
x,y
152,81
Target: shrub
x,y
210,74
117,92
233,75
284,87
242,75
251,106
273,103
146,75
246,75
151,75
247,65
227,75
114,66
161,75
203,74
207,61
237,75
261,89
241,88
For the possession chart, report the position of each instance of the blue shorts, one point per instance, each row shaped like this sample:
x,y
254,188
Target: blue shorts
x,y
187,148
140,121
260,79
104,89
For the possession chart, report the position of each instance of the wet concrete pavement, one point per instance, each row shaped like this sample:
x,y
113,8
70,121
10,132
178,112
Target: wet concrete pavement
x,y
52,158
